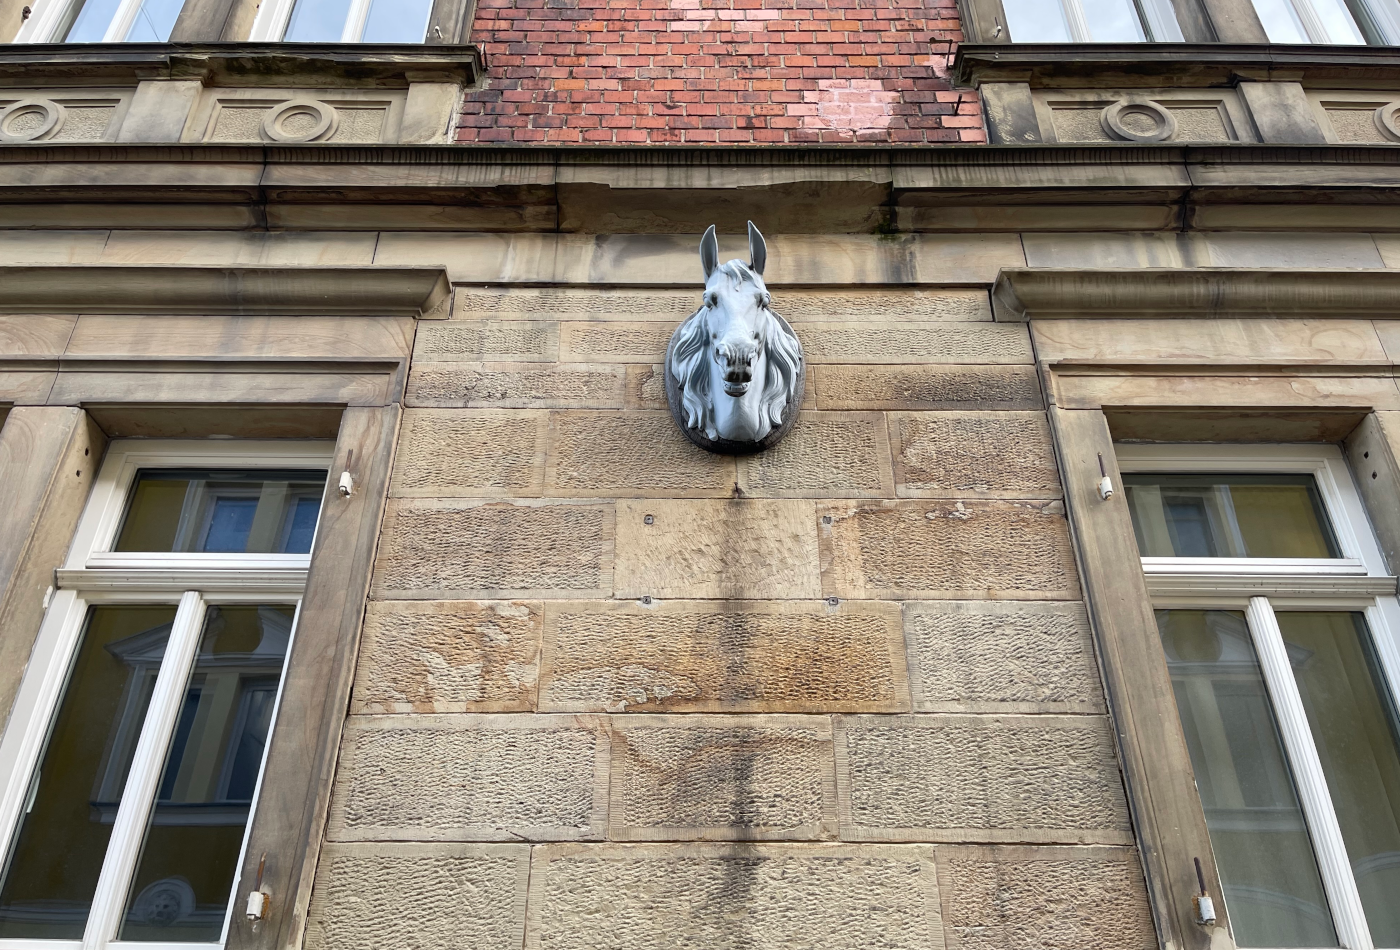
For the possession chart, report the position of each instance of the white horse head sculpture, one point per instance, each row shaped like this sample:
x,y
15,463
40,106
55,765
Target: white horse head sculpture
x,y
734,369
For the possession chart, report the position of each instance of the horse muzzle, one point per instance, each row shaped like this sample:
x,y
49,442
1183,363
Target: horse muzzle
x,y
737,365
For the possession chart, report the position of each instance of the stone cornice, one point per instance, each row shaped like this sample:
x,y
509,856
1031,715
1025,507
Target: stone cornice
x,y
1047,293
239,64
1173,64
240,290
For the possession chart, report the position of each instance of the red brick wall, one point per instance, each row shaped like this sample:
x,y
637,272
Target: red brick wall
x,y
718,72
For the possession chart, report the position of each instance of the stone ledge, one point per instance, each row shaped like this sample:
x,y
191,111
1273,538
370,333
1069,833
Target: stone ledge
x,y
1030,293
422,292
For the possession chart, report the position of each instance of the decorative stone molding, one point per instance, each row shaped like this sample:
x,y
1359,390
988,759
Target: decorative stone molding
x,y
1030,293
1388,119
1139,120
295,117
735,372
67,115
300,120
29,120
1360,116
422,292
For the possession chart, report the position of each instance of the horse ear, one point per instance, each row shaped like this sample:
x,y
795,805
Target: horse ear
x,y
758,250
709,252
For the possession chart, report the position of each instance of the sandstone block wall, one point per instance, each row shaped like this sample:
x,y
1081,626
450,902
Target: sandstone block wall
x,y
616,692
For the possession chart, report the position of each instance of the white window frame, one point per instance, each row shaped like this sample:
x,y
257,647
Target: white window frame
x,y
1384,18
1357,581
94,575
270,24
1156,17
49,15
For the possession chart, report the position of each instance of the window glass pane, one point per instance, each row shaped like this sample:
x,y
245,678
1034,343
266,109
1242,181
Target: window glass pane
x,y
317,21
1280,21
397,21
1385,17
91,23
154,21
254,512
1113,21
1036,21
1269,875
62,838
1337,22
182,883
1229,516
1353,722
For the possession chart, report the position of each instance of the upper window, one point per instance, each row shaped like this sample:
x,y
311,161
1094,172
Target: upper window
x,y
343,21
1281,632
1091,21
130,767
1351,22
101,21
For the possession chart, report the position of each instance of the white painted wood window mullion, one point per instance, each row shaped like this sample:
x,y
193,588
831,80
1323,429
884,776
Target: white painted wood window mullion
x,y
1161,23
43,23
122,21
1312,23
1323,827
355,21
1078,21
1386,16
143,779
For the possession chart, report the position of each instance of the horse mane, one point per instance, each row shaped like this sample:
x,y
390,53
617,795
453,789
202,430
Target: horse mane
x,y
690,353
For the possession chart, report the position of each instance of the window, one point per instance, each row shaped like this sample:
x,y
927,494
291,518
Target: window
x,y
343,21
131,764
1091,21
1281,632
1348,22
101,21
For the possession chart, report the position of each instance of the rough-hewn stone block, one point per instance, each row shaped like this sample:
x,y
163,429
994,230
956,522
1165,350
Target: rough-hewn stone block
x,y
373,896
1001,656
887,305
443,549
733,897
646,386
722,777
1044,899
468,453
871,342
630,453
616,342
926,387
454,340
948,550
825,455
448,656
577,303
515,385
699,656
948,455
738,548
471,778
980,778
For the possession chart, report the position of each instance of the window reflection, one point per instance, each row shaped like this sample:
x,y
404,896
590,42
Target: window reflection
x,y
181,888
1268,872
1229,516
254,512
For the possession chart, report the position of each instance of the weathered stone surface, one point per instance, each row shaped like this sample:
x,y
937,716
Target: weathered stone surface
x,y
948,550
373,896
1018,899
448,656
699,656
733,897
926,387
467,453
630,453
476,342
870,342
471,778
980,778
1268,340
947,455
825,455
998,656
515,385
646,386
722,777
440,549
577,303
887,305
739,548
616,342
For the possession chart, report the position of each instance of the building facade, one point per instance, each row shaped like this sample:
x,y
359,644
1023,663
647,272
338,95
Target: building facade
x,y
359,589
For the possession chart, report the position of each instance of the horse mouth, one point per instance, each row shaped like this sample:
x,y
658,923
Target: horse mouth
x,y
736,389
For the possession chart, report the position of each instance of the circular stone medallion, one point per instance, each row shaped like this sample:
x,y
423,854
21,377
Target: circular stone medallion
x,y
29,120
300,120
1137,120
